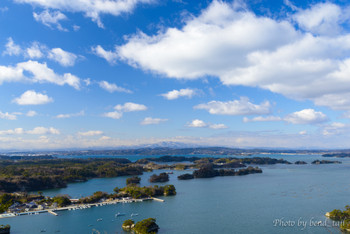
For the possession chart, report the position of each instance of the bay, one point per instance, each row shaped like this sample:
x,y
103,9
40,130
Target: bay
x,y
280,200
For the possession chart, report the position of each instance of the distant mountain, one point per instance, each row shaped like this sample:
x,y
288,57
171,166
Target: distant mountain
x,y
182,151
168,144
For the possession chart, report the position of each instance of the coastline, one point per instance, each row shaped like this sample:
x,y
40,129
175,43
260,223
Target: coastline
x,y
80,206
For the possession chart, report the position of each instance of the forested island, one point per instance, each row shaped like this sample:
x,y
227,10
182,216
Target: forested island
x,y
325,162
342,216
162,177
25,173
24,202
40,174
209,172
146,226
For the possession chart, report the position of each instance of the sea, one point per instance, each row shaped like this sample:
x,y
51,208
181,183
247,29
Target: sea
x,y
283,199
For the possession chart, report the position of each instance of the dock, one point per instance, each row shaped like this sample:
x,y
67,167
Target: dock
x,y
52,212
157,199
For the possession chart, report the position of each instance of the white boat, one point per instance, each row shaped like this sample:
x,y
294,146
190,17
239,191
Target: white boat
x,y
119,214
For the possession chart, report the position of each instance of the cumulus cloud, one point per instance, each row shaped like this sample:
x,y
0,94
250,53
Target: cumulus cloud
x,y
90,133
66,116
34,131
113,114
16,131
236,107
38,50
8,116
40,73
322,18
91,8
110,56
12,48
130,106
31,97
197,123
112,87
306,116
150,120
50,19
126,107
35,51
64,58
175,94
43,131
241,48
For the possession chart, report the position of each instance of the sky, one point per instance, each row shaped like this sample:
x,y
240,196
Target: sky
x,y
128,73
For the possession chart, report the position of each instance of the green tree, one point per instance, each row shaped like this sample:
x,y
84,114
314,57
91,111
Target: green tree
x,y
116,190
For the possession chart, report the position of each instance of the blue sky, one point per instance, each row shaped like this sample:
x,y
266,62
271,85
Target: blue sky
x,y
111,73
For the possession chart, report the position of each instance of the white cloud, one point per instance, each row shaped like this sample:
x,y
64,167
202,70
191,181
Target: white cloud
x,y
31,97
322,18
91,8
43,131
127,107
8,116
241,48
334,128
197,123
214,43
38,50
262,119
113,87
236,107
306,116
175,94
50,19
109,56
66,116
113,115
64,58
31,113
16,131
35,131
12,48
150,120
130,106
40,73
90,133
34,51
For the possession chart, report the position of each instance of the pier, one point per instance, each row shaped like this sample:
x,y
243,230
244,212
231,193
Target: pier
x,y
51,212
157,199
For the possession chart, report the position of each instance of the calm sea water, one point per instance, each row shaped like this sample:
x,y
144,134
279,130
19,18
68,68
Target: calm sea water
x,y
283,199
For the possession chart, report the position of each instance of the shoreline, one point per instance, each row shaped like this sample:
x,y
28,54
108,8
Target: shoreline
x,y
80,207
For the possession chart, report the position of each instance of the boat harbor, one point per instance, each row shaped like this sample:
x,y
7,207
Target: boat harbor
x,y
79,207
